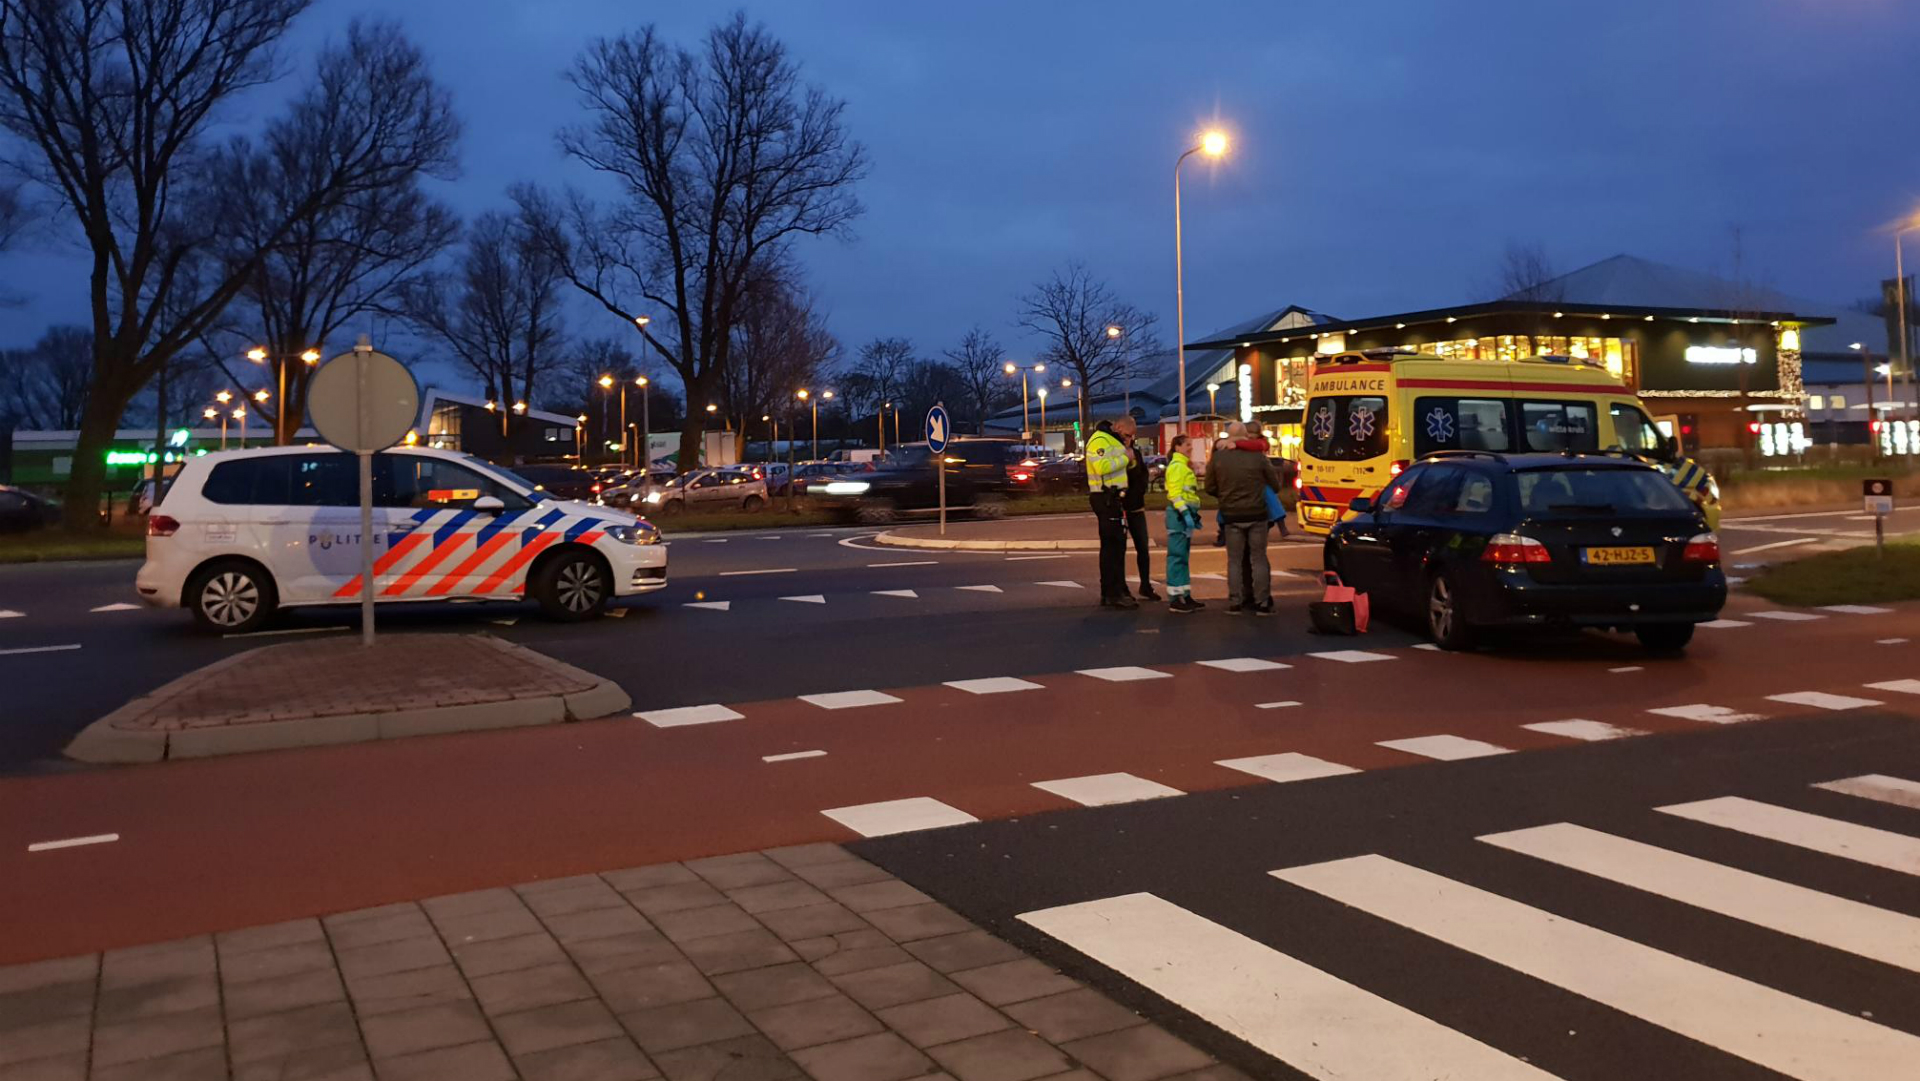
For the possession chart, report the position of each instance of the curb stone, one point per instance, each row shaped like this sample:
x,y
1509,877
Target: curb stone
x,y
954,544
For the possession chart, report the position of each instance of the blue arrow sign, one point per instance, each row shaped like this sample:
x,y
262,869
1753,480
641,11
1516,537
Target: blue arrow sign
x,y
939,428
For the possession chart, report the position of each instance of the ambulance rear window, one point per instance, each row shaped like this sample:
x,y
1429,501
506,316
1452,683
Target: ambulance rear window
x,y
1346,427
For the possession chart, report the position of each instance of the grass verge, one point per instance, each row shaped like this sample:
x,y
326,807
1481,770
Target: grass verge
x,y
1854,576
47,545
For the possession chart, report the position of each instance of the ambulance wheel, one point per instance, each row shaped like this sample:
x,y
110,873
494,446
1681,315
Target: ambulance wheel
x,y
231,596
1446,620
572,587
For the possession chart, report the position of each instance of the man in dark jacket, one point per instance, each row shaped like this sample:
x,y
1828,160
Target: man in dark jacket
x,y
1134,499
1240,480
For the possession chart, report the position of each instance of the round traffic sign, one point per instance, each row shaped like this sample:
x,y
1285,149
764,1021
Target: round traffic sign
x,y
363,401
939,428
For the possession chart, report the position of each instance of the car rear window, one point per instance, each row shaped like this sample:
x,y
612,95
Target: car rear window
x,y
1560,493
249,482
1347,427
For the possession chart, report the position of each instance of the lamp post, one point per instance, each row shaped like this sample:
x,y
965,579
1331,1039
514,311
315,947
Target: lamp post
x,y
880,420
1126,370
223,397
645,458
1043,416
1212,144
1900,293
1213,403
606,385
1866,378
1026,397
240,414
807,396
259,354
579,438
209,413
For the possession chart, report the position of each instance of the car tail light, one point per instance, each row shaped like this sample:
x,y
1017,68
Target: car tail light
x,y
1397,468
1299,482
596,489
1703,548
159,525
1023,476
1513,548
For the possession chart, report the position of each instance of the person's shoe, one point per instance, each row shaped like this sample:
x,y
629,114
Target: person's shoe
x,y
1147,594
1123,602
1263,609
1220,537
1193,605
1236,609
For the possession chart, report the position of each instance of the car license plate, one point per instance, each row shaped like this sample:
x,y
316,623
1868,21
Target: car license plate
x,y
1602,557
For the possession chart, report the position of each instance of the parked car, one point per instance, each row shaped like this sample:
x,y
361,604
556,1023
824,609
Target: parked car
x,y
21,510
1472,540
1064,474
709,489
240,534
979,479
631,494
563,481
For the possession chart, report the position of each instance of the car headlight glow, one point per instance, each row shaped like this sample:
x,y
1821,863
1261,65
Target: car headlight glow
x,y
653,497
847,487
638,533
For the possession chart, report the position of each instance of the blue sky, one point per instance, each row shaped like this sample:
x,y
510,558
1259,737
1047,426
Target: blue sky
x,y
1384,152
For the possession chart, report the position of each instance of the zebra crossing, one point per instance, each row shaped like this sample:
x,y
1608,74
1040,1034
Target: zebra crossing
x,y
1327,1024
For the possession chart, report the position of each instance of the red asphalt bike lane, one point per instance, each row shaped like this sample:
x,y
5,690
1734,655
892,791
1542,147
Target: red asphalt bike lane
x,y
216,844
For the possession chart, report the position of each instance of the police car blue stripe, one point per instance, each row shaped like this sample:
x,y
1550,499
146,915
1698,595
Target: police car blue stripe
x,y
575,531
499,523
539,527
441,535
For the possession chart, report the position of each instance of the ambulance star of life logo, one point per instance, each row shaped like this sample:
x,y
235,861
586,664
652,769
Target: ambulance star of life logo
x,y
1360,424
1323,423
1440,425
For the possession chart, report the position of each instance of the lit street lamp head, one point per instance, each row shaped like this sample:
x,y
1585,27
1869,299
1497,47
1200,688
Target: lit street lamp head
x,y
261,396
826,394
1213,388
641,320
1010,368
606,381
1113,332
209,412
801,394
311,356
639,380
223,397
1214,143
519,407
712,408
257,354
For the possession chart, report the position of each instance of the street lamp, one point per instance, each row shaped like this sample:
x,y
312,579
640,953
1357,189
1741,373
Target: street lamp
x,y
880,420
1026,420
1213,403
1213,144
1043,416
643,459
1900,292
804,395
240,414
209,413
260,354
1866,379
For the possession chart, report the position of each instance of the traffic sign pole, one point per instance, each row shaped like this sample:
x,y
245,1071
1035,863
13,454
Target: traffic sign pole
x,y
1878,494
363,429
939,427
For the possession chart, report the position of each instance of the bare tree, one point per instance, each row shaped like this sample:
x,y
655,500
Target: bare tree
x,y
978,364
46,386
1525,273
351,259
878,374
780,346
114,101
722,158
1087,330
499,312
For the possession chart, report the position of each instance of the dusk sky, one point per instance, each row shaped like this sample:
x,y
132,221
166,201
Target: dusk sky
x,y
1384,153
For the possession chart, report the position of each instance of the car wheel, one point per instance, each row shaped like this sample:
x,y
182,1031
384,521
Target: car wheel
x,y
1664,637
232,597
1446,621
878,512
572,587
990,507
753,503
672,506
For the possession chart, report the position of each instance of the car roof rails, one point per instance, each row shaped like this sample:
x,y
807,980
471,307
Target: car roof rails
x,y
1487,454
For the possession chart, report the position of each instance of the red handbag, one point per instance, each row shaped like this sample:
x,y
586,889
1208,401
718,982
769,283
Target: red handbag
x,y
1342,609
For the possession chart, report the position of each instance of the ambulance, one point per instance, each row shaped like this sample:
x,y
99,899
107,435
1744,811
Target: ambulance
x,y
1371,414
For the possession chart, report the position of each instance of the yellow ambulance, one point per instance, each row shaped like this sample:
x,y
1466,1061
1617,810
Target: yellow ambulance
x,y
1370,415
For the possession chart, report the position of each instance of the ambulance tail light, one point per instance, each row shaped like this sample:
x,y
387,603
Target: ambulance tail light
x,y
1508,548
1299,482
160,525
1398,468
1702,548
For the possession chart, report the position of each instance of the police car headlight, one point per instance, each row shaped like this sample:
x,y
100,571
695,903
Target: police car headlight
x,y
848,487
639,533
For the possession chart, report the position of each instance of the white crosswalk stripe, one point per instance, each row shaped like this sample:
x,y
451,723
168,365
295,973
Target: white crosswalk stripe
x,y
1244,664
1104,789
1352,656
685,715
898,816
1874,933
1764,1026
1291,766
1829,835
1878,786
1124,674
1444,748
1787,617
8,613
1855,609
1723,624
1704,712
1320,1025
1897,686
994,685
1592,731
1823,700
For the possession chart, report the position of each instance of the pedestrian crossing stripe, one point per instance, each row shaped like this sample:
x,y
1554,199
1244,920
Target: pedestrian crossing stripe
x,y
1880,848
1876,786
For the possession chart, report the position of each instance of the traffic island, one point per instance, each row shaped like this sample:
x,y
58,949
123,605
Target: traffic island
x,y
314,693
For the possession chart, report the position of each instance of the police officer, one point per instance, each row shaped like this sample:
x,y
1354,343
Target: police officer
x,y
1107,461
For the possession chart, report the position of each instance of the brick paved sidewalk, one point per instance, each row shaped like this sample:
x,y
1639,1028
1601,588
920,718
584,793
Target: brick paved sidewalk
x,y
804,962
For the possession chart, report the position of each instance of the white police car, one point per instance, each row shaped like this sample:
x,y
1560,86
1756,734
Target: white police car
x,y
239,534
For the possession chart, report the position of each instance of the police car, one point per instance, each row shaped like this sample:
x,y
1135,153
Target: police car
x,y
240,534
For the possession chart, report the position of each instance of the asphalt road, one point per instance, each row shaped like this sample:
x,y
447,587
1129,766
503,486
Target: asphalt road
x,y
1769,538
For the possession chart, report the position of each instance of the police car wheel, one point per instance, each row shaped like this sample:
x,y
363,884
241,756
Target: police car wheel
x,y
231,598
572,587
1446,622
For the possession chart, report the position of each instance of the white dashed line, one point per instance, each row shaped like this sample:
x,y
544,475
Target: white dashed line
x,y
73,842
1775,544
793,757
1823,700
287,630
907,593
685,715
993,685
981,589
717,540
764,570
1105,789
1244,664
1123,674
1210,576
912,563
8,613
1027,559
1290,766
809,598
120,607
1275,705
768,536
1061,585
848,699
1889,641
508,622
815,536
38,649
1444,748
1898,686
1351,656
1878,786
711,606
1723,624
1627,668
1855,609
1700,711
1428,646
1786,617
1591,731
898,816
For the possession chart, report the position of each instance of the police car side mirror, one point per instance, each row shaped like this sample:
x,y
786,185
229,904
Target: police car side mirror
x,y
488,504
1361,505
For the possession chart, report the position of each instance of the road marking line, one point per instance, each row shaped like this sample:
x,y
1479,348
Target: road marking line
x,y
763,570
73,842
907,593
1351,656
712,606
982,589
120,607
1775,544
1061,585
792,757
1275,705
1899,686
1700,711
38,649
1319,1024
718,540
507,622
848,699
1822,700
1735,523
1786,617
1855,609
898,816
1591,731
1244,664
768,536
1627,668
685,715
813,536
1723,624
1444,748
1428,646
8,613
994,685
1291,766
1878,786
1881,848
1028,559
1210,575
1770,1028
809,598
1889,641
1124,674
1105,789
286,630
912,563
1873,933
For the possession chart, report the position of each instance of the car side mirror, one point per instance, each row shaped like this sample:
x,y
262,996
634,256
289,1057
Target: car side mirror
x,y
1673,447
1361,505
489,504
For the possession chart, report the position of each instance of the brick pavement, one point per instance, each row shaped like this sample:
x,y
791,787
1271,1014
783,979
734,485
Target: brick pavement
x,y
804,962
